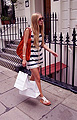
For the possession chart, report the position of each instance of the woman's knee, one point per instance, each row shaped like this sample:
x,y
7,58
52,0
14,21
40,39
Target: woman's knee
x,y
37,78
35,73
32,77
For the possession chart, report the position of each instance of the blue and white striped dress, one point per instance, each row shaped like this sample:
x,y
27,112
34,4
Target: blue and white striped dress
x,y
36,57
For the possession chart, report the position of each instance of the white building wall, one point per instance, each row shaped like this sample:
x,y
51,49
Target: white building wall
x,y
22,11
69,15
69,21
55,7
73,17
34,6
20,8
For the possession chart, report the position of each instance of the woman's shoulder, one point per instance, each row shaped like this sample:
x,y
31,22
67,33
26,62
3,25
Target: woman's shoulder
x,y
27,30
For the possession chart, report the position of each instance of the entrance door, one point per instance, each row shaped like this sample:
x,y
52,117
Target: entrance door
x,y
47,11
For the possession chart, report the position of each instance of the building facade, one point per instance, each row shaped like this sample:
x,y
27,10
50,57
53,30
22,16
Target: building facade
x,y
66,11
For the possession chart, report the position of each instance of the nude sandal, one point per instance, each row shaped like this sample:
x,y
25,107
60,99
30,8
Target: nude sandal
x,y
45,101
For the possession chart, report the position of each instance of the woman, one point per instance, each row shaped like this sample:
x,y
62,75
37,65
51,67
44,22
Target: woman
x,y
36,58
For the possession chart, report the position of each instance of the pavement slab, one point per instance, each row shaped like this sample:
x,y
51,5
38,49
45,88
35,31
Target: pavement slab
x,y
14,114
61,112
58,91
2,108
9,73
3,68
7,85
3,76
71,101
35,109
45,84
12,98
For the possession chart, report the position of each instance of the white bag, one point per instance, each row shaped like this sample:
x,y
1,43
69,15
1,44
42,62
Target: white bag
x,y
31,91
26,87
21,81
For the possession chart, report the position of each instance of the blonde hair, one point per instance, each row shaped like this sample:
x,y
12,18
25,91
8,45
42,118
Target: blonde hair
x,y
36,29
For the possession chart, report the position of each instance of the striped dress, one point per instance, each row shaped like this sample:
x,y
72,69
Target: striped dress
x,y
36,57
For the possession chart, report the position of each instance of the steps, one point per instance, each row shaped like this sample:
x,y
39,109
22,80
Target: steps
x,y
9,58
9,64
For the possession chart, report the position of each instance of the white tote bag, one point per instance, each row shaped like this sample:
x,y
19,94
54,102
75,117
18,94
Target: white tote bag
x,y
31,91
26,87
21,80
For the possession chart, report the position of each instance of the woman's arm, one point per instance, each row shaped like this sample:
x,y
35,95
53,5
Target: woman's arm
x,y
26,36
49,50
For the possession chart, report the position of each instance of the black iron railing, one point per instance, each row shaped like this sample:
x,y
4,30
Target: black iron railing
x,y
11,32
64,78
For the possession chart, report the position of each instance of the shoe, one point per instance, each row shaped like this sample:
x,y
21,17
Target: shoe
x,y
45,101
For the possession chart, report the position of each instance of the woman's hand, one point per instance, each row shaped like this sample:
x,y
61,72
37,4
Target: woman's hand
x,y
49,50
55,54
24,63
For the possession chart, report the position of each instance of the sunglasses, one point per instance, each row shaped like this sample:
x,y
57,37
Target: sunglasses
x,y
41,18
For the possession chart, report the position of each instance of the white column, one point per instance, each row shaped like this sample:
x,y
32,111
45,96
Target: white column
x,y
42,6
69,12
32,7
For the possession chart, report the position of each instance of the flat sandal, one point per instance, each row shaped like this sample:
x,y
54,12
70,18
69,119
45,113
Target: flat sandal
x,y
45,101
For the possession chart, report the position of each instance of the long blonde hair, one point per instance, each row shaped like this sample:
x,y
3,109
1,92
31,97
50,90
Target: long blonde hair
x,y
36,29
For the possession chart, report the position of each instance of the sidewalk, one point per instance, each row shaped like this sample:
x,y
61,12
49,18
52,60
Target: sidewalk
x,y
16,107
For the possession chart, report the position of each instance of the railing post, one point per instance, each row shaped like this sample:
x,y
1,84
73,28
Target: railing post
x,y
1,39
49,39
73,70
4,37
61,37
55,21
25,22
18,26
20,22
20,34
15,29
67,40
45,41
10,32
45,28
55,39
53,24
7,35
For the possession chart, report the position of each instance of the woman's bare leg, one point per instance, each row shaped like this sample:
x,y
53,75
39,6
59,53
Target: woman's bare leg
x,y
35,74
32,76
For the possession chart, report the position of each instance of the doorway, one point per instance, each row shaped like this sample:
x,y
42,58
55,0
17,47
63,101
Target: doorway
x,y
47,11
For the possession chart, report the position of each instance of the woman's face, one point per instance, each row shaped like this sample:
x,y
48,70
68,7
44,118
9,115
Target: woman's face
x,y
40,20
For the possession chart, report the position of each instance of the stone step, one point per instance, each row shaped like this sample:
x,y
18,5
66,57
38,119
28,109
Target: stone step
x,y
10,57
10,51
16,42
12,46
8,64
